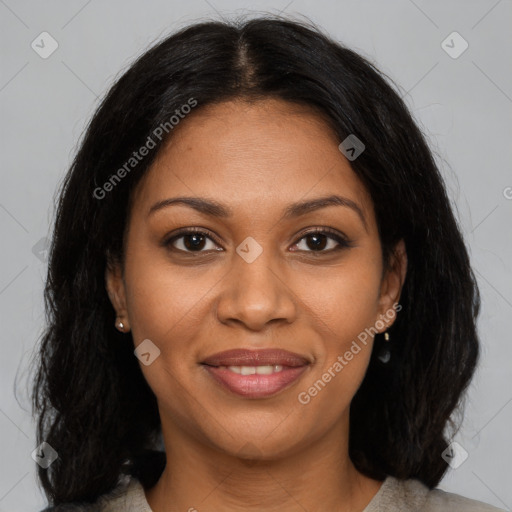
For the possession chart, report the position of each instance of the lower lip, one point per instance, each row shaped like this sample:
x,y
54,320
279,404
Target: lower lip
x,y
256,386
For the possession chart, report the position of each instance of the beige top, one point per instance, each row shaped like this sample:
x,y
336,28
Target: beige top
x,y
393,496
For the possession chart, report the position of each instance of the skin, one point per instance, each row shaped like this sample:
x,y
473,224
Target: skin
x,y
225,452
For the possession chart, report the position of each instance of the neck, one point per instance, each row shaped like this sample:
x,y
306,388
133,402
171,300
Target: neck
x,y
318,477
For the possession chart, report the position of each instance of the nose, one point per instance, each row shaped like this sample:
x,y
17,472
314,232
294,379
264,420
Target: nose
x,y
256,293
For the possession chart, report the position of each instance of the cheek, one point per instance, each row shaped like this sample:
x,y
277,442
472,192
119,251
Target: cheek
x,y
163,302
165,306
343,306
343,301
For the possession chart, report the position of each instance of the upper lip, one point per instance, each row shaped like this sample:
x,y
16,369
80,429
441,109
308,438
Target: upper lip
x,y
261,357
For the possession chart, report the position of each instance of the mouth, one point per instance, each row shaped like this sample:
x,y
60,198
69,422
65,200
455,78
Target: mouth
x,y
255,373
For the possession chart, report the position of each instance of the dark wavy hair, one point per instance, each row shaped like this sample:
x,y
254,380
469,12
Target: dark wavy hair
x,y
95,407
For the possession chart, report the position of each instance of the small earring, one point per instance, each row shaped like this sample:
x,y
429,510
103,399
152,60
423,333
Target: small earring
x,y
120,325
385,354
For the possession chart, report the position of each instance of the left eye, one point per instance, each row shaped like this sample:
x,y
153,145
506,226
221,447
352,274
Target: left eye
x,y
320,241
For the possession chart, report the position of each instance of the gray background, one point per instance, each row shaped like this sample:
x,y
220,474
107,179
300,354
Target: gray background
x,y
464,104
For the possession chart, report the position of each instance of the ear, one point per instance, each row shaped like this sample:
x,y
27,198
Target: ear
x,y
391,285
115,286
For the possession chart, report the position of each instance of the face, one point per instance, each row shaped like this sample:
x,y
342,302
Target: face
x,y
266,274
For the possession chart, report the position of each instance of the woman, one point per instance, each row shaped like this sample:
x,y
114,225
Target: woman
x,y
255,211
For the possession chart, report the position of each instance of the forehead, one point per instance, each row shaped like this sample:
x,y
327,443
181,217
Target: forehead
x,y
261,154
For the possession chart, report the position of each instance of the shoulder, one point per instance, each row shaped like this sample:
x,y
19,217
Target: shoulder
x,y
438,499
127,496
73,507
413,496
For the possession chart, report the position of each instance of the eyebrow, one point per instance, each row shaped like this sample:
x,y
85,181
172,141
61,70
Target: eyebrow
x,y
294,210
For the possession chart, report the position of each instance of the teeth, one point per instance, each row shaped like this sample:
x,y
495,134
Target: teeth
x,y
252,370
264,370
267,370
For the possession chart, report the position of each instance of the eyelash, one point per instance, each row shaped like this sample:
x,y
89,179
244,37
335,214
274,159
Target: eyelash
x,y
334,235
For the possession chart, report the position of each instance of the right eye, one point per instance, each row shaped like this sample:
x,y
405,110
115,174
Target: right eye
x,y
190,241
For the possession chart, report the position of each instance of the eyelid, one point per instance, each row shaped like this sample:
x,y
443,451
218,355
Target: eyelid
x,y
324,230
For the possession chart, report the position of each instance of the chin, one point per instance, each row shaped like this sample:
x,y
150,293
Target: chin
x,y
256,443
